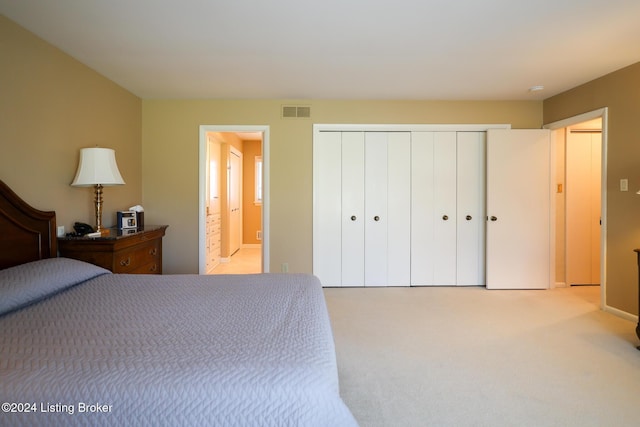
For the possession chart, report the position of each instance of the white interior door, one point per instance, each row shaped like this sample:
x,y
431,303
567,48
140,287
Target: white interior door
x,y
352,215
444,205
422,213
470,207
375,211
583,164
518,209
399,209
235,201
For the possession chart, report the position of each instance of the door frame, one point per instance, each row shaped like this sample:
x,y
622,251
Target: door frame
x,y
202,178
560,124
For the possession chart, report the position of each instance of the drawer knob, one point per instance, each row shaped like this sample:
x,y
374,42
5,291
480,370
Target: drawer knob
x,y
153,251
154,267
125,262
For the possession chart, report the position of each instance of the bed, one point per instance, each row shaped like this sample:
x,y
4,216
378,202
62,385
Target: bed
x,y
82,346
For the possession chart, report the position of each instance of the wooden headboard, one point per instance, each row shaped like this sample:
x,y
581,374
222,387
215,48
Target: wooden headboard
x,y
26,234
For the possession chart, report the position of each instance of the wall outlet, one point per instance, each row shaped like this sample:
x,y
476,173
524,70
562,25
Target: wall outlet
x,y
259,235
284,267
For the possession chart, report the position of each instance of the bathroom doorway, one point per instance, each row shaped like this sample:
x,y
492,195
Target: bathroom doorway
x,y
233,199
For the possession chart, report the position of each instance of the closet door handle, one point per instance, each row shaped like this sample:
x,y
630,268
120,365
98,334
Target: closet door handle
x,y
493,218
376,218
445,217
469,218
353,217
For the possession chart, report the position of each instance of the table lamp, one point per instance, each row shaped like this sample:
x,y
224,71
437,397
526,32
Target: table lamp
x,y
98,168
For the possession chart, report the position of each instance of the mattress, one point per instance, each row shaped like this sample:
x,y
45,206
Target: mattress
x,y
81,346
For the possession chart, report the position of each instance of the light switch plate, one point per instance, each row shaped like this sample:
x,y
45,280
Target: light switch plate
x,y
624,184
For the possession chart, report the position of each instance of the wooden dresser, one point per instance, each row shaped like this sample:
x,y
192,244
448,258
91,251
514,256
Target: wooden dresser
x,y
132,251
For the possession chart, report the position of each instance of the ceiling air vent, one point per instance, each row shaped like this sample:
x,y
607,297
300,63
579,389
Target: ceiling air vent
x,y
296,112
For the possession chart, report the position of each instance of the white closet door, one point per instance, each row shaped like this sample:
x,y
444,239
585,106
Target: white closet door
x,y
422,214
327,208
353,219
444,206
470,207
399,209
518,206
376,219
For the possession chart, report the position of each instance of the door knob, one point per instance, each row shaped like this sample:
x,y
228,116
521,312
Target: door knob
x,y
493,218
376,218
353,217
469,218
445,217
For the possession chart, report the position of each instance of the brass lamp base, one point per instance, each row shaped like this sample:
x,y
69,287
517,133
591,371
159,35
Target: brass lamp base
x,y
98,204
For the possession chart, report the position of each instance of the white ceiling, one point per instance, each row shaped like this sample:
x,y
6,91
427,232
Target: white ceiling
x,y
341,49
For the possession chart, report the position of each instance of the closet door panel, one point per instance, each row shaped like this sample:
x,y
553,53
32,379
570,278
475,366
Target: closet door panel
x,y
422,216
583,208
518,205
399,209
353,219
444,205
376,220
470,205
596,206
327,209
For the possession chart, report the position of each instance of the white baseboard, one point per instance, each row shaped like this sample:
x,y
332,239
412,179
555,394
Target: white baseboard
x,y
561,284
224,260
620,313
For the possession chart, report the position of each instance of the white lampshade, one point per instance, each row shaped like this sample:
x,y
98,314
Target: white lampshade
x,y
97,166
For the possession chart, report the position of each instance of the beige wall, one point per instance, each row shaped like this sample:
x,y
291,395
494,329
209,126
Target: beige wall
x,y
170,138
620,92
51,106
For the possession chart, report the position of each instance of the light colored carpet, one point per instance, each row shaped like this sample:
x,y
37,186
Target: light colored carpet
x,y
474,357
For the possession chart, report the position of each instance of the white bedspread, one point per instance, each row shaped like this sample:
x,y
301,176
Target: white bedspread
x,y
134,350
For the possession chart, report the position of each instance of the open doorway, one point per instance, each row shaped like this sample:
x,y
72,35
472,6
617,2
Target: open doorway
x,y
580,203
233,199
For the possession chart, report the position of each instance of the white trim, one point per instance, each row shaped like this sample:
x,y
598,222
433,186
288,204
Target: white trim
x,y
405,128
603,113
202,157
622,314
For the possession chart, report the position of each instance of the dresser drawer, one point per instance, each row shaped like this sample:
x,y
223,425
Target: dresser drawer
x,y
151,268
138,257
